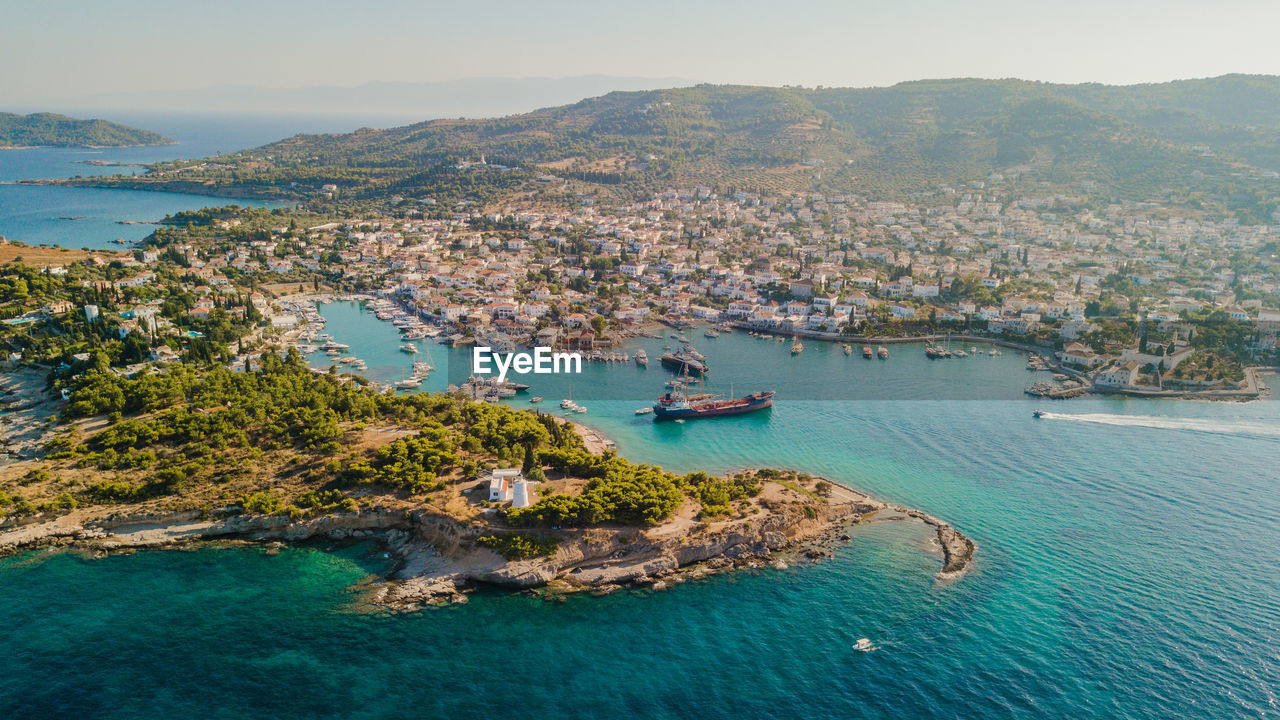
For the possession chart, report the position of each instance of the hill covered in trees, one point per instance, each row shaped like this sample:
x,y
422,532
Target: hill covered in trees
x,y
1219,136
62,131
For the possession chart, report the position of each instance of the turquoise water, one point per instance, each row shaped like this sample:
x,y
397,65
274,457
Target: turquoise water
x,y
1126,569
89,217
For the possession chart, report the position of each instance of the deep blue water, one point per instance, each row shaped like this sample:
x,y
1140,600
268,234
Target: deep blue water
x,y
89,217
1127,568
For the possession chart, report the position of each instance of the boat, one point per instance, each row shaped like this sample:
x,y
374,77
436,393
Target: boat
x,y
883,352
711,333
684,362
678,404
409,348
642,358
933,353
535,399
644,410
864,645
1037,413
408,383
867,352
797,347
848,350
688,350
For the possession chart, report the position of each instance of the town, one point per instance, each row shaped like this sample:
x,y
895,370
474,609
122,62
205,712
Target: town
x,y
1130,296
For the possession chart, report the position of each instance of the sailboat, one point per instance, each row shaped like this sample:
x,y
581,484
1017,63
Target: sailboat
x,y
797,347
569,405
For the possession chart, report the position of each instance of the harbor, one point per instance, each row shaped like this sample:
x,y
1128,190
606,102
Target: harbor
x,y
631,372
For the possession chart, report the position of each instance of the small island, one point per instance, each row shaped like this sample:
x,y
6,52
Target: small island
x,y
53,130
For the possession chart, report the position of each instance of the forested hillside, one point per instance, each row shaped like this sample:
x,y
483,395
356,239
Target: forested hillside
x,y
62,131
1219,136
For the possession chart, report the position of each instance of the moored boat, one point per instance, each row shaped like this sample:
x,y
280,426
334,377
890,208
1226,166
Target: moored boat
x,y
679,405
883,352
683,361
867,352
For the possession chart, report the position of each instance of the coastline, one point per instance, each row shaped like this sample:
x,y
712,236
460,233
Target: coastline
x,y
137,182
1254,388
437,560
86,147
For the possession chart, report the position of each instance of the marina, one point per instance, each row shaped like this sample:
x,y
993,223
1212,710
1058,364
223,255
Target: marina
x,y
820,373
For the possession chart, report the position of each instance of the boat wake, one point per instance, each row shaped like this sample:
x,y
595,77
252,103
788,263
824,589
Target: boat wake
x,y
1236,428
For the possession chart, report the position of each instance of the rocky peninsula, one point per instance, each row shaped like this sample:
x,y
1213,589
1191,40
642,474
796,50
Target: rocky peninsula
x,y
441,552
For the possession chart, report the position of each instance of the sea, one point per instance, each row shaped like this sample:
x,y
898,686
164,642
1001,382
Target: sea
x,y
108,219
1126,569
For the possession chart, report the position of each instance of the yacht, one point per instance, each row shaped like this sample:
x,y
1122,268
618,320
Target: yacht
x,y
409,348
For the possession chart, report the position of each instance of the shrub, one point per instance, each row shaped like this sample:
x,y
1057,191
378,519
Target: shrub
x,y
519,546
108,491
61,502
262,503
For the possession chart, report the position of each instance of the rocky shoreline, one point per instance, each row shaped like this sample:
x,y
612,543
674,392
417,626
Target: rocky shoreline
x,y
437,559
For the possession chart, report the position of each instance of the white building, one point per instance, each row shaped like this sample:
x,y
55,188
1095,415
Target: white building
x,y
1123,375
502,484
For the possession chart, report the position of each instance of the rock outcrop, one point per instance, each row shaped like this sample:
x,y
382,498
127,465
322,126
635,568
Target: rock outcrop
x,y
438,556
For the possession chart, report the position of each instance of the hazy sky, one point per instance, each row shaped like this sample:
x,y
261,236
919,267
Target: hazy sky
x,y
59,49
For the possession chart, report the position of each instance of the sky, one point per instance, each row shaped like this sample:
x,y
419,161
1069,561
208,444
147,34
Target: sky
x,y
61,50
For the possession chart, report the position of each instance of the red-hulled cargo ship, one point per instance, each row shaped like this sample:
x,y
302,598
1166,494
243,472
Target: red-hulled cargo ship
x,y
678,405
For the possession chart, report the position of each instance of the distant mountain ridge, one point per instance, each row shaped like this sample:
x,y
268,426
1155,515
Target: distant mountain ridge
x,y
468,97
62,131
1217,139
